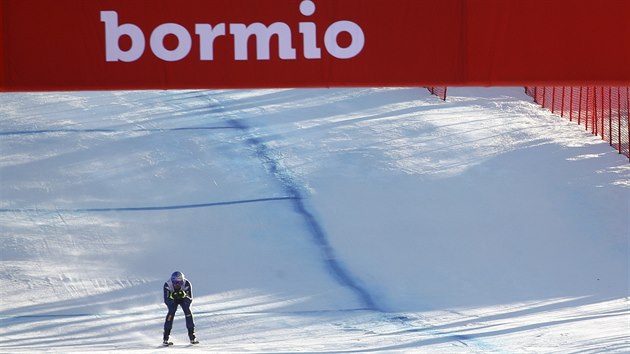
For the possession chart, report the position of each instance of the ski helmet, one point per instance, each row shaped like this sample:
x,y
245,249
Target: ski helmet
x,y
177,278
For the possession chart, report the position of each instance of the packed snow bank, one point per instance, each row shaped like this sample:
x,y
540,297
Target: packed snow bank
x,y
320,220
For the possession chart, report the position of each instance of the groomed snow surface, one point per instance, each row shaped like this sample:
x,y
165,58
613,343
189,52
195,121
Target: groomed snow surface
x,y
310,220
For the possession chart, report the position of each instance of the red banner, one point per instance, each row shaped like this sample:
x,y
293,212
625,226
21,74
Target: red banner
x,y
156,44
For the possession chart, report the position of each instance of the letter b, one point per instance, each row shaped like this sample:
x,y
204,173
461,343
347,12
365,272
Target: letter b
x,y
113,32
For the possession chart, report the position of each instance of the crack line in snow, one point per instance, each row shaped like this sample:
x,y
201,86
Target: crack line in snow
x,y
168,207
291,188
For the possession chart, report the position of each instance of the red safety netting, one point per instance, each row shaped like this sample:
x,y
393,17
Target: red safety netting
x,y
603,110
438,91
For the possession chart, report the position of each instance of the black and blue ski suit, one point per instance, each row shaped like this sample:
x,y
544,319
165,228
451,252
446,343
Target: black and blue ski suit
x,y
174,297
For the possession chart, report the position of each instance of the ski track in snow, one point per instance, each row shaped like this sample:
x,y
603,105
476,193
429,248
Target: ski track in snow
x,y
293,190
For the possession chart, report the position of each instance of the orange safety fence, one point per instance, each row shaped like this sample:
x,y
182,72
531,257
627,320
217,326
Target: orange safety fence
x,y
603,110
439,91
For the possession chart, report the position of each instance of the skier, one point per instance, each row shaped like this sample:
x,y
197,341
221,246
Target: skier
x,y
178,292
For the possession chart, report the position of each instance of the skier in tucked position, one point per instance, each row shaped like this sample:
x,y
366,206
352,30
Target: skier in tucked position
x,y
178,292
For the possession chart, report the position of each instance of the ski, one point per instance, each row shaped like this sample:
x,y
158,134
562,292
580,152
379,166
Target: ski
x,y
169,344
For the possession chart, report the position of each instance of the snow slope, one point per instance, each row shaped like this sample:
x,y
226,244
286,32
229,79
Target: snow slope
x,y
311,220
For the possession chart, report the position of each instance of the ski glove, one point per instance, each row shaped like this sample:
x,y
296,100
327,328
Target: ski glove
x,y
178,295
